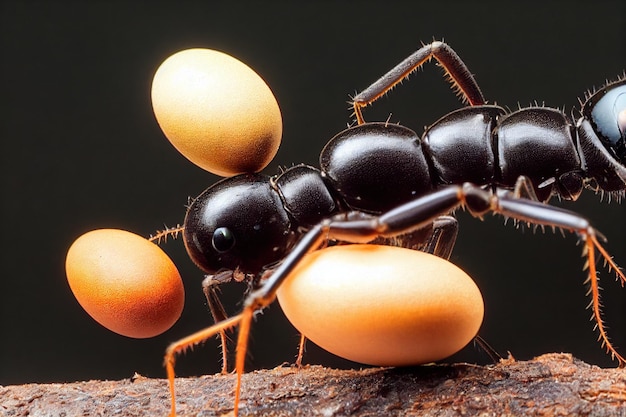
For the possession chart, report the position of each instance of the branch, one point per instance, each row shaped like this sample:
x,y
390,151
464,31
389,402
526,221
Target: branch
x,y
552,384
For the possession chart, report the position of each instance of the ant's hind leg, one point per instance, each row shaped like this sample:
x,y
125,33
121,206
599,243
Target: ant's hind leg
x,y
456,71
546,215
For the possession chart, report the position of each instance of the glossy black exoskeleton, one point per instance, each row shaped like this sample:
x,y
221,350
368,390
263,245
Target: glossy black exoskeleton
x,y
382,180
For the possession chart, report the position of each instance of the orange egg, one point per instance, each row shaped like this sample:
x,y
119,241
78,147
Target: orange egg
x,y
125,282
217,111
382,305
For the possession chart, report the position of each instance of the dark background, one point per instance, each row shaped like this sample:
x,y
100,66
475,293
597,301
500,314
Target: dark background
x,y
81,150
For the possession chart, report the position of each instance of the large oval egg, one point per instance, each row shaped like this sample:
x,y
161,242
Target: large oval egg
x,y
382,305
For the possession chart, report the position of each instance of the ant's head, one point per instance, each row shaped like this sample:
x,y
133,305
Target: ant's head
x,y
238,224
606,110
602,132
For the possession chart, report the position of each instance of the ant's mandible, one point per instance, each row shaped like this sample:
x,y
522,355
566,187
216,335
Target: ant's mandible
x,y
381,180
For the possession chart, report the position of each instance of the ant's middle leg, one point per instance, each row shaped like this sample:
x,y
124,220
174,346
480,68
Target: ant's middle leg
x,y
457,72
524,189
437,238
443,237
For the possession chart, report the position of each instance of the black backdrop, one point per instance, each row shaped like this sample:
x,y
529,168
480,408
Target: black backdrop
x,y
82,150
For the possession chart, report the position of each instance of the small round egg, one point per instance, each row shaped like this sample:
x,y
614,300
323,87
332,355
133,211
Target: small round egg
x,y
217,111
125,282
382,305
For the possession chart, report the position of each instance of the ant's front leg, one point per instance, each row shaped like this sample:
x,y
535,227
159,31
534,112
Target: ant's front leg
x,y
456,71
210,285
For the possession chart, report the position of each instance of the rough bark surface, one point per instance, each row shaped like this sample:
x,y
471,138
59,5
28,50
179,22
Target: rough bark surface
x,y
552,384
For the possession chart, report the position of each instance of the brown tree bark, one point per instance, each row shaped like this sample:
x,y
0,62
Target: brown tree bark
x,y
552,384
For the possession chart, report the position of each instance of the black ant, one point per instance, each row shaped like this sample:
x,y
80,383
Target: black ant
x,y
383,181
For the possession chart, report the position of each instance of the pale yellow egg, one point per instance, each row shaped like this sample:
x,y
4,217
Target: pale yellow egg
x,y
217,111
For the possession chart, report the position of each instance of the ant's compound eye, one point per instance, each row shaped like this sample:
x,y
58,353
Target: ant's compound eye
x,y
223,239
606,110
217,112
